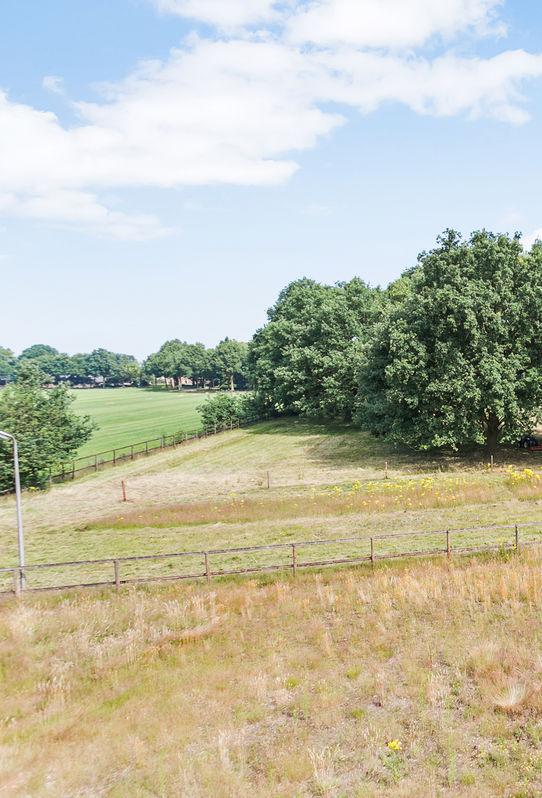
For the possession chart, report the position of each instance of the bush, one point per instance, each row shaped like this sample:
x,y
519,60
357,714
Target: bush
x,y
225,409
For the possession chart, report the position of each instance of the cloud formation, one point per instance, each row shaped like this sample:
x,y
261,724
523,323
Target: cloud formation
x,y
235,107
389,23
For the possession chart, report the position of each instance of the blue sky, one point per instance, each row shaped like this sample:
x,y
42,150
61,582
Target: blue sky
x,y
167,166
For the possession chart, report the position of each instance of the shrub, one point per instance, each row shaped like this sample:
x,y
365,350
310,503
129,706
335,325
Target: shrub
x,y
224,409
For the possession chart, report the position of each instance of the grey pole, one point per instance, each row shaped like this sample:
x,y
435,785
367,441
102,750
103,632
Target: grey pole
x,y
20,534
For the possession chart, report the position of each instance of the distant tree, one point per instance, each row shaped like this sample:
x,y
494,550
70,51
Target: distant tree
x,y
198,358
112,367
49,433
458,360
230,359
8,365
100,364
55,365
37,351
306,359
172,361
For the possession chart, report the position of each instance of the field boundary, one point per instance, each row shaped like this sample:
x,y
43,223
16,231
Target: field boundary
x,y
133,451
214,563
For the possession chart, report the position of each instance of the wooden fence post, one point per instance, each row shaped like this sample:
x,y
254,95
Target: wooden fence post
x,y
73,470
372,552
268,481
116,566
146,447
123,484
386,469
294,560
95,462
17,582
517,537
207,569
448,546
114,457
132,451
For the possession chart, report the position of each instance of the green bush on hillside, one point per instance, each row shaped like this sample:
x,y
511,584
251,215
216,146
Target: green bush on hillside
x,y
225,409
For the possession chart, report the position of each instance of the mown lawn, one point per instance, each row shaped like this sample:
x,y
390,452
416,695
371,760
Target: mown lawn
x,y
129,415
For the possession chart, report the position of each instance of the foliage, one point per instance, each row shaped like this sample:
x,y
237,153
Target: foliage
x,y
99,366
229,361
8,365
47,430
458,361
224,409
113,368
306,359
178,359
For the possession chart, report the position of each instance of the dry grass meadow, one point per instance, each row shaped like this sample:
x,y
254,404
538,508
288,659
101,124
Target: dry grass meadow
x,y
414,681
422,678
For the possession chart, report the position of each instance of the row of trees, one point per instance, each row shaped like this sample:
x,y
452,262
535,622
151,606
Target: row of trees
x,y
175,362
57,367
224,366
447,356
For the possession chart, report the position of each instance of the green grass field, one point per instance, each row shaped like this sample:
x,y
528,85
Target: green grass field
x,y
413,679
325,482
129,415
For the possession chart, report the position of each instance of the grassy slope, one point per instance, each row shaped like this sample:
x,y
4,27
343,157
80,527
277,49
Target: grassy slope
x,y
213,494
294,688
129,415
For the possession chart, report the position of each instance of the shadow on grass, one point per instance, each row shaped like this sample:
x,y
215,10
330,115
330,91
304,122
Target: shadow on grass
x,y
344,444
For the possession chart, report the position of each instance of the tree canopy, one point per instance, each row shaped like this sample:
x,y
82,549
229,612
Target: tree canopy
x,y
48,432
458,360
177,359
306,359
8,365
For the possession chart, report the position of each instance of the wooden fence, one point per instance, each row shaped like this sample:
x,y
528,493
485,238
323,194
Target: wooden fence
x,y
133,451
287,556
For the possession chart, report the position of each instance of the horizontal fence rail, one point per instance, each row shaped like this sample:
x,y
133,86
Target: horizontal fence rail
x,y
288,556
133,451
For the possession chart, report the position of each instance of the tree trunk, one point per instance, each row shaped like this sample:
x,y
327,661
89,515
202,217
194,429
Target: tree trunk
x,y
493,433
232,386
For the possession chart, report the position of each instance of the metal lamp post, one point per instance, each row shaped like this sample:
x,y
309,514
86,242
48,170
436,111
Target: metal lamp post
x,y
5,436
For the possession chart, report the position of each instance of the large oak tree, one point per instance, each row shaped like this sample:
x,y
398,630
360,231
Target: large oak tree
x,y
305,360
459,360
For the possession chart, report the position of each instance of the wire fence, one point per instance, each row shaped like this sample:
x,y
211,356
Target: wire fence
x,y
133,451
289,557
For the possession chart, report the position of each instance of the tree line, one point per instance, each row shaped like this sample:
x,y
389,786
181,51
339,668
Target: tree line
x,y
176,363
449,355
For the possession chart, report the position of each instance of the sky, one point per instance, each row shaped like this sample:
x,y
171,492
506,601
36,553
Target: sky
x,y
168,166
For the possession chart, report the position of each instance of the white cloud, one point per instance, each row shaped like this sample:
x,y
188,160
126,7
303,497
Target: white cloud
x,y
82,210
445,86
222,13
235,110
389,23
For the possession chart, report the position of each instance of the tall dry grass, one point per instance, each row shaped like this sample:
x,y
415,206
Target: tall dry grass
x,y
420,680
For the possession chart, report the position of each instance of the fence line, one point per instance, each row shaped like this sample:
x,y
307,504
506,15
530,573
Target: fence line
x,y
133,451
291,556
